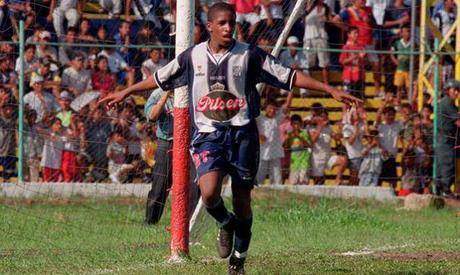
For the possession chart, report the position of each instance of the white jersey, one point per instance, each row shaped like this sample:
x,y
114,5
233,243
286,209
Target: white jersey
x,y
223,92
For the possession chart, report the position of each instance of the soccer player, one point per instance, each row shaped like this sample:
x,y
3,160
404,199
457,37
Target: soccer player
x,y
221,75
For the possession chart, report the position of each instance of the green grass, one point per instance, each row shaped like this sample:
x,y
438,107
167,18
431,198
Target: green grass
x,y
293,234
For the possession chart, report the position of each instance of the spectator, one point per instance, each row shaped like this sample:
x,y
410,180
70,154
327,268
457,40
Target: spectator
x,y
447,128
118,65
18,10
353,135
373,157
401,61
61,10
123,38
294,58
147,37
30,62
103,80
151,65
396,15
67,52
271,148
299,144
76,79
69,166
65,113
353,65
409,179
315,36
128,120
84,34
247,12
52,151
98,133
427,123
159,108
33,146
143,10
112,7
408,125
35,37
43,103
52,80
321,136
389,134
102,35
117,152
271,17
360,17
7,135
44,50
444,19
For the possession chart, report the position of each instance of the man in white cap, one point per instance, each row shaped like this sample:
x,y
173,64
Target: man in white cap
x,y
45,50
43,103
295,58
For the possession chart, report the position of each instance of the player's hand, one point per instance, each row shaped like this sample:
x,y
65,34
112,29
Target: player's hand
x,y
344,97
115,98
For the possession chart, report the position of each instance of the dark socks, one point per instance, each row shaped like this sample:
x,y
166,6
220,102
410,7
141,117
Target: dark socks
x,y
220,213
242,237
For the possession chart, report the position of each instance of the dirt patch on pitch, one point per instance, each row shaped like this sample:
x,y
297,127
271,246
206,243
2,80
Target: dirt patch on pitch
x,y
419,256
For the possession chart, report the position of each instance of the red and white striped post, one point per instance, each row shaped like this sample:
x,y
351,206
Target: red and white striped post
x,y
181,142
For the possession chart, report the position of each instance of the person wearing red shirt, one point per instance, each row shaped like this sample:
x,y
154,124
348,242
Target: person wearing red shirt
x,y
353,65
360,17
247,11
103,80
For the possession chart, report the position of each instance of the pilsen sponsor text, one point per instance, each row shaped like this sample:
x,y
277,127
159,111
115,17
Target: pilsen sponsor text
x,y
206,103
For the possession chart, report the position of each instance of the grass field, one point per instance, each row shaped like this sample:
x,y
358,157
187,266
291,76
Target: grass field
x,y
293,234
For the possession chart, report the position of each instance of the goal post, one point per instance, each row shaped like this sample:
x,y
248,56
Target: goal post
x,y
181,141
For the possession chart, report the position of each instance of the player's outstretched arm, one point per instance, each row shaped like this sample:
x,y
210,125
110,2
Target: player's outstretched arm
x,y
147,84
302,80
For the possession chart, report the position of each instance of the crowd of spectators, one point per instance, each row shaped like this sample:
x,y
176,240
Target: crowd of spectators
x,y
68,137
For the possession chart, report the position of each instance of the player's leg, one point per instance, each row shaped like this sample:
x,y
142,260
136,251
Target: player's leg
x,y
210,187
243,224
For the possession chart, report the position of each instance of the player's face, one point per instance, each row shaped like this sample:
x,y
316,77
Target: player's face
x,y
222,27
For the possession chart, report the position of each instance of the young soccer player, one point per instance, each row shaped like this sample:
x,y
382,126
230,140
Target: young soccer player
x,y
221,75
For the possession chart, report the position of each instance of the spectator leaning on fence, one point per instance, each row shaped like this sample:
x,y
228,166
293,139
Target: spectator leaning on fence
x,y
389,134
373,157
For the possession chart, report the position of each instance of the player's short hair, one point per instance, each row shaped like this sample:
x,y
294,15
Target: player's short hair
x,y
406,106
219,7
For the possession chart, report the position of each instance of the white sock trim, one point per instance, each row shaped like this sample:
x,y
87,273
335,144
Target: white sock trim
x,y
240,255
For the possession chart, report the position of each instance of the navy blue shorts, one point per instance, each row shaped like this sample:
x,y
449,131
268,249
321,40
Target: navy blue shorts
x,y
233,150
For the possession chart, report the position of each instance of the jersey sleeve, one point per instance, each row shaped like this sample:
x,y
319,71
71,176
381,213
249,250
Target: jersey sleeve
x,y
270,70
174,74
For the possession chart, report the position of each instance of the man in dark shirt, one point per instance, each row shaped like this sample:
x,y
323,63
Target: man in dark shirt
x,y
445,149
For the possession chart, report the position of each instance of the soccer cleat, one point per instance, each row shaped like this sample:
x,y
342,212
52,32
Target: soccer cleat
x,y
224,241
236,266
